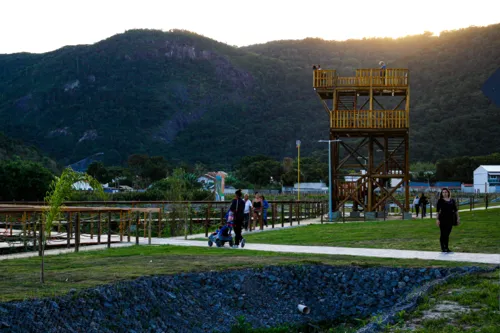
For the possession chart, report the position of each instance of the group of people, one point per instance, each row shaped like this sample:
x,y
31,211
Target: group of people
x,y
420,203
242,214
239,211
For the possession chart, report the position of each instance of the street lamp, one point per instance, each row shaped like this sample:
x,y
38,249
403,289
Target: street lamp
x,y
298,169
330,212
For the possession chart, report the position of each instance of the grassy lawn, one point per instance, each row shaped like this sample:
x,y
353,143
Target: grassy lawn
x,y
479,232
20,278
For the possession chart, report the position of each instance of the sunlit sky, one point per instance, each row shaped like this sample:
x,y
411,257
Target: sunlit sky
x,y
45,25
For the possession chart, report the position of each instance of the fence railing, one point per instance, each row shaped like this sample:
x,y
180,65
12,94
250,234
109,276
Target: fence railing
x,y
82,223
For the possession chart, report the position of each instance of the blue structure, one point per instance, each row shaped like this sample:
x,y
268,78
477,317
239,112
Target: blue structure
x,y
83,165
450,185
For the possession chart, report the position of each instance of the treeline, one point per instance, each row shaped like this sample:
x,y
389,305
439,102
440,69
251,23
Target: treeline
x,y
462,168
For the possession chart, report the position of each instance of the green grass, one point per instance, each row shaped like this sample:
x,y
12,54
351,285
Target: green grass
x,y
20,277
479,232
478,292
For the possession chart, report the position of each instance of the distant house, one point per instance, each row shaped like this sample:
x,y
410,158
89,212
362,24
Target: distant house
x,y
487,179
82,186
467,188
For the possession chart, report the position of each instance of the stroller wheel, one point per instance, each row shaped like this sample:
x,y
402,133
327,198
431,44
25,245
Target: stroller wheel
x,y
243,243
219,243
210,243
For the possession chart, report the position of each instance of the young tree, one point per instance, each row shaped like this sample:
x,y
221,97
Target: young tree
x,y
60,190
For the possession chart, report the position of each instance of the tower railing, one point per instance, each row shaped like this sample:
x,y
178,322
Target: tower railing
x,y
374,77
392,119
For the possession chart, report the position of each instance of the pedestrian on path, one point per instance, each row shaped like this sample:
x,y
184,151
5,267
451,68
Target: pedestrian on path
x,y
447,217
416,204
238,207
423,203
246,213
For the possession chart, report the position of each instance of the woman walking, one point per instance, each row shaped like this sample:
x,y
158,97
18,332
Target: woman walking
x,y
447,217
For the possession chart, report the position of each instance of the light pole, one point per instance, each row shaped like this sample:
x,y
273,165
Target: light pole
x,y
330,212
298,169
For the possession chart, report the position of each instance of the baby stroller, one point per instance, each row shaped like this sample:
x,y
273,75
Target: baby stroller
x,y
221,236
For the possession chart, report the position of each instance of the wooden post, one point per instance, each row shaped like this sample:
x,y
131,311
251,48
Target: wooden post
x,y
321,212
160,216
144,225
209,207
129,220
291,213
121,226
35,240
109,230
298,213
273,209
221,215
24,231
40,234
91,226
77,232
69,228
149,227
190,221
282,215
137,221
99,228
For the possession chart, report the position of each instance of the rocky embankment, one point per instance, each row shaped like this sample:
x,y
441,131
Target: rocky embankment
x,y
204,302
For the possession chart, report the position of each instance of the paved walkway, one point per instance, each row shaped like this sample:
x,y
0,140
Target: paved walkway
x,y
485,258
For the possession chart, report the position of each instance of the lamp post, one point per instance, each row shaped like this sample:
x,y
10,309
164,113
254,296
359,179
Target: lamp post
x,y
298,169
330,212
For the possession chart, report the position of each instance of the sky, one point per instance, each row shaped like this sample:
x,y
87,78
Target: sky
x,y
44,25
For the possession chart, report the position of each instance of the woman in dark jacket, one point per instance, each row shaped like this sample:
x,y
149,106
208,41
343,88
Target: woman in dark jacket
x,y
447,217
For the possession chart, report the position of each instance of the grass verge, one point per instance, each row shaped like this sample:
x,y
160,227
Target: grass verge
x,y
20,277
479,232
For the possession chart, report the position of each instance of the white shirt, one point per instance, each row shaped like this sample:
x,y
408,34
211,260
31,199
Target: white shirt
x,y
248,205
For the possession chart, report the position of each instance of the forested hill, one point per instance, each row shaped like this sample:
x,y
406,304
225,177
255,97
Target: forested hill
x,y
14,149
191,98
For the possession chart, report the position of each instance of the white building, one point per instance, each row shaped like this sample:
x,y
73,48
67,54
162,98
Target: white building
x,y
82,186
487,179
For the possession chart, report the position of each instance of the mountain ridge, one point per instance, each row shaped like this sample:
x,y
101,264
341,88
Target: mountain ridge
x,y
191,98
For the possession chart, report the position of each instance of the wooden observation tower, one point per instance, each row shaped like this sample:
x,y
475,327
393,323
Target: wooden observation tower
x,y
369,122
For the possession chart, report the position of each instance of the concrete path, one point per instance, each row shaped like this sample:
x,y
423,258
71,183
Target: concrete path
x,y
484,258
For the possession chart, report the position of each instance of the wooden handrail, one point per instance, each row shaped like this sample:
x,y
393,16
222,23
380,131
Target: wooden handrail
x,y
375,77
370,119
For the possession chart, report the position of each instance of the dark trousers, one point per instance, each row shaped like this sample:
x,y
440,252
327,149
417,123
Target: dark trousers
x,y
246,219
417,209
445,234
424,208
237,233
